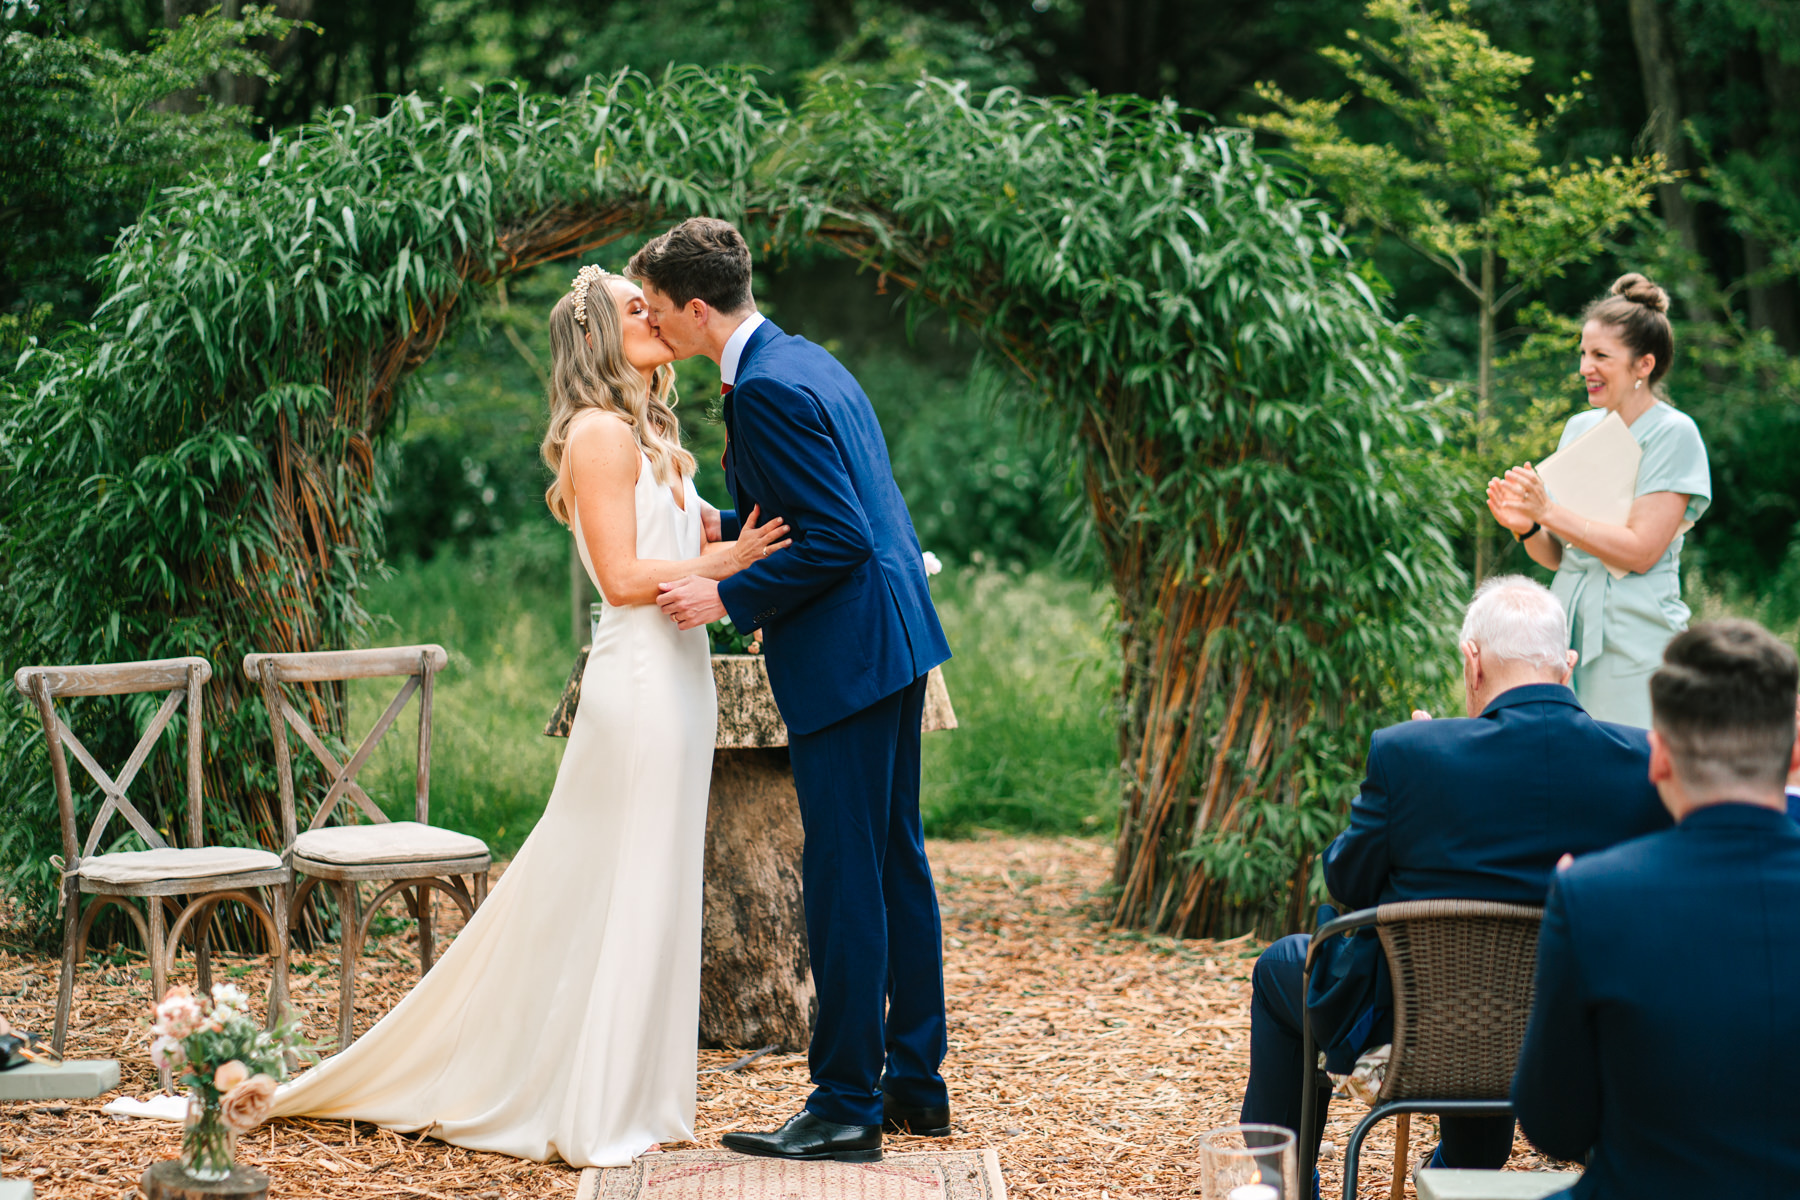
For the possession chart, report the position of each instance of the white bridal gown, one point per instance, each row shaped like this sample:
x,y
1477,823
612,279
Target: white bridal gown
x,y
562,1021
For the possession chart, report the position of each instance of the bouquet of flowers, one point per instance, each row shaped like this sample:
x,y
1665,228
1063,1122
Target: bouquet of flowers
x,y
228,1063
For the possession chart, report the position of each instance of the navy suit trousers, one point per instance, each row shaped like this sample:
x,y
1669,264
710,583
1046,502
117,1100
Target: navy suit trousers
x,y
1277,1059
872,924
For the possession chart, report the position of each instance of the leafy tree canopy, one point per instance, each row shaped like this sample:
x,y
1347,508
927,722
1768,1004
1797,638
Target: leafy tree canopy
x,y
90,135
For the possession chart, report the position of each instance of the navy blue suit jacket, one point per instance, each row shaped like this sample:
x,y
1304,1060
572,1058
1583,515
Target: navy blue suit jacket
x,y
845,611
1665,1037
1474,809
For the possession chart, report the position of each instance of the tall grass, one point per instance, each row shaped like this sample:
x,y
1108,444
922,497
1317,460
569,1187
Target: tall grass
x,y
1032,683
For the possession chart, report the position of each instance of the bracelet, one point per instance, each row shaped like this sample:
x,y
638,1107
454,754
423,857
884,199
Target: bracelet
x,y
1522,538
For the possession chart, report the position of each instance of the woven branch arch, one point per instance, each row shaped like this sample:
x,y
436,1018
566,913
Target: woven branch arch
x,y
1235,405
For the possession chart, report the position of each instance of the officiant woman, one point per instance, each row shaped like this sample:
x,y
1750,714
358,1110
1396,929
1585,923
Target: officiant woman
x,y
1619,626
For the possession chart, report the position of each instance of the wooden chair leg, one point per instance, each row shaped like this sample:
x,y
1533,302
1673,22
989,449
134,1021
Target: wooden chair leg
x,y
349,947
278,981
1402,1149
202,949
65,988
481,888
159,957
427,943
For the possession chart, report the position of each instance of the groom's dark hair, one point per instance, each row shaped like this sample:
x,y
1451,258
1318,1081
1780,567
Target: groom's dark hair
x,y
701,258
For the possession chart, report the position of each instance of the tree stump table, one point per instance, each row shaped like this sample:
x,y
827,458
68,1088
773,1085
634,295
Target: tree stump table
x,y
755,987
167,1181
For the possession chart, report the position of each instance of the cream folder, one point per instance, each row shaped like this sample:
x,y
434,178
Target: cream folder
x,y
1595,476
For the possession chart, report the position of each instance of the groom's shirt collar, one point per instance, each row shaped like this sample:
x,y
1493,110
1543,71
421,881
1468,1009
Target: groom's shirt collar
x,y
734,348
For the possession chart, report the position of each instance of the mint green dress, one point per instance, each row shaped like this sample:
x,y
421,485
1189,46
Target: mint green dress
x,y
1620,626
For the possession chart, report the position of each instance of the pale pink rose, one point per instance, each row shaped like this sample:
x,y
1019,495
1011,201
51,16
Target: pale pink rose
x,y
166,1051
229,1075
249,1103
179,1013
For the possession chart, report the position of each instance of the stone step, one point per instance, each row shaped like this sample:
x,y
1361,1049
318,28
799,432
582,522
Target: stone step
x,y
76,1079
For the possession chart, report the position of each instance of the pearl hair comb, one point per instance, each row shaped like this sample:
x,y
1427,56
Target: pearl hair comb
x,y
585,278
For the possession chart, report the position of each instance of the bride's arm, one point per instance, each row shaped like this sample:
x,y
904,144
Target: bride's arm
x,y
603,465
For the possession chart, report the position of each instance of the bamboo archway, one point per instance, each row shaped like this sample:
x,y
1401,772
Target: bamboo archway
x,y
1237,414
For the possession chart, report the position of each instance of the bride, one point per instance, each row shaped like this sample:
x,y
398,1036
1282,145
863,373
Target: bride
x,y
562,1021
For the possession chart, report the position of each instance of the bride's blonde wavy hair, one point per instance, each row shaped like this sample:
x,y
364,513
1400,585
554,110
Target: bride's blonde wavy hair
x,y
588,370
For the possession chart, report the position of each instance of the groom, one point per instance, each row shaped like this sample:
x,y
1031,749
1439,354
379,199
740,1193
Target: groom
x,y
849,634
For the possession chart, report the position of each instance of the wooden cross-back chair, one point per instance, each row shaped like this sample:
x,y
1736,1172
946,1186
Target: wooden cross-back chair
x,y
412,857
205,875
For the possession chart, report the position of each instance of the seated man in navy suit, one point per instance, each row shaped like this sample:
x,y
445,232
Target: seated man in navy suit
x,y
1793,779
1665,1038
1475,809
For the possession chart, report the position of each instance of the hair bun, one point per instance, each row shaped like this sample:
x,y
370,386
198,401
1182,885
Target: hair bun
x,y
1639,290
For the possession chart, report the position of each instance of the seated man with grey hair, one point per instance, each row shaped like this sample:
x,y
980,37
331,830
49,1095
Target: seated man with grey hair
x,y
1468,809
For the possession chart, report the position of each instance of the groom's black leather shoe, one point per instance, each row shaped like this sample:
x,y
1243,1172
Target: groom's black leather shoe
x,y
920,1122
807,1136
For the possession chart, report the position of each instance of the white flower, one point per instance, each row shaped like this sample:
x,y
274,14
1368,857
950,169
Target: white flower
x,y
932,563
166,1051
229,995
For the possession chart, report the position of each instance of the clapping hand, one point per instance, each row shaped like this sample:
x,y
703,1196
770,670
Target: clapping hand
x,y
1504,503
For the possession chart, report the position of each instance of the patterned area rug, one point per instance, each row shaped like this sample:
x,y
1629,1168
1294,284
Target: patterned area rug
x,y
722,1175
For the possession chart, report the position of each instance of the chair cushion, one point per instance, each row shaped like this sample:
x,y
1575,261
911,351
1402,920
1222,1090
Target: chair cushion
x,y
147,866
392,842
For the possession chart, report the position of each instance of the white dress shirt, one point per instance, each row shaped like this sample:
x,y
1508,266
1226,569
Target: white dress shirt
x,y
734,348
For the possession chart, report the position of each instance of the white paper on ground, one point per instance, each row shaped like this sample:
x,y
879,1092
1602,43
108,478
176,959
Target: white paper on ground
x,y
156,1108
1595,476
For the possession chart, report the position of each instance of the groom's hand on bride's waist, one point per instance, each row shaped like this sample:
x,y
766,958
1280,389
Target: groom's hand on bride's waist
x,y
691,602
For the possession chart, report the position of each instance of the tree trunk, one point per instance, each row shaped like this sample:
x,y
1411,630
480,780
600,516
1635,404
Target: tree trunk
x,y
1662,101
755,987
1775,306
1484,401
238,90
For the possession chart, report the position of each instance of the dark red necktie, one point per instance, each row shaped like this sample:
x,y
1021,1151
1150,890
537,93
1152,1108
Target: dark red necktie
x,y
724,389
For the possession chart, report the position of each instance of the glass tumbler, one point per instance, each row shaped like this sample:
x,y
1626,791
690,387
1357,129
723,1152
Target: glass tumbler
x,y
1248,1162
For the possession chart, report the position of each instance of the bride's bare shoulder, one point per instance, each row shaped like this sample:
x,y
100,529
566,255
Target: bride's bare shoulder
x,y
600,434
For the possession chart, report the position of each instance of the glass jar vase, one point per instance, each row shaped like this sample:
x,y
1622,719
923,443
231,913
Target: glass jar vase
x,y
208,1143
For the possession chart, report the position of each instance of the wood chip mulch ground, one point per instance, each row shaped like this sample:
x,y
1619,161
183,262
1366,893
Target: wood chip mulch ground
x,y
1091,1060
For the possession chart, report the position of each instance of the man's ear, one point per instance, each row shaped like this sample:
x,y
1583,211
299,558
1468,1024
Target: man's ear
x,y
1574,657
1662,767
699,310
1471,664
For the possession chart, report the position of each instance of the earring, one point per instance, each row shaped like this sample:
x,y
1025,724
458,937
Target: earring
x,y
1637,385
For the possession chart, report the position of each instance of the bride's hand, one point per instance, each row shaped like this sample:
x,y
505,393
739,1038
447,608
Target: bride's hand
x,y
756,542
712,523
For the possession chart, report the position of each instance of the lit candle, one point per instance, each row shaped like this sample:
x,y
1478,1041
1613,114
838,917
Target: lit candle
x,y
1253,1191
